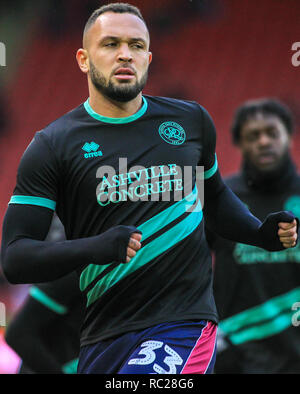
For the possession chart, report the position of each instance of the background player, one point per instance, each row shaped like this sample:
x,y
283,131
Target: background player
x,y
255,290
162,294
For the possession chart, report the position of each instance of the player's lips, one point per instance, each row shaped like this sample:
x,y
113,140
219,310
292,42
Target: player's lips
x,y
124,73
266,157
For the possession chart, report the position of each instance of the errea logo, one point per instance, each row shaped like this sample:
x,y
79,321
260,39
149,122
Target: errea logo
x,y
91,149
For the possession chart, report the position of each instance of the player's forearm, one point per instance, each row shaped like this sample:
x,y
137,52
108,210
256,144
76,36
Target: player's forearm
x,y
32,261
231,219
227,216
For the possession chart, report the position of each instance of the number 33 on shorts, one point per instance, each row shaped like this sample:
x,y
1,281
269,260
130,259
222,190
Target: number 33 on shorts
x,y
155,357
177,348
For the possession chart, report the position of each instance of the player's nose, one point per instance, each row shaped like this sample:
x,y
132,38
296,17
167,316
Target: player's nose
x,y
264,140
124,53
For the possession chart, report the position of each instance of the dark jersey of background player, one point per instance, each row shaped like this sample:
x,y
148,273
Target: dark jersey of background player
x,y
45,331
255,290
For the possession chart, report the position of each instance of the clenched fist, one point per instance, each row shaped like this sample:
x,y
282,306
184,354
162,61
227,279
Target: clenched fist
x,y
288,233
134,245
278,231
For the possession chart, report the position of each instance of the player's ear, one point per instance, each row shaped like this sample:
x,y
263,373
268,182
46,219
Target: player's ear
x,y
82,60
150,57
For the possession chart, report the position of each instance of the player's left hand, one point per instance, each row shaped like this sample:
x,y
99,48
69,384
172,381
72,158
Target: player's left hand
x,y
288,234
279,231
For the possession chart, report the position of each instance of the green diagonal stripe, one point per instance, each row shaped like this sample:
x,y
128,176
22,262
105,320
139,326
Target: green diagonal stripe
x,y
30,200
168,239
44,299
262,331
261,314
148,228
167,216
209,173
90,273
71,367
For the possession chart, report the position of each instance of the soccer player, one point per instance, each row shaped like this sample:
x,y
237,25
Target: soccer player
x,y
142,257
45,331
256,291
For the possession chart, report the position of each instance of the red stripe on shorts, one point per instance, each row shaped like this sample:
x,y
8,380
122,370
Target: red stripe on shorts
x,y
202,353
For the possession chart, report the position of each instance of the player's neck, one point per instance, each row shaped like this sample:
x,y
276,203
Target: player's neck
x,y
114,109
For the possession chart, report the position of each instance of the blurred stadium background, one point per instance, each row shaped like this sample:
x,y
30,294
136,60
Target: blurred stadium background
x,y
217,52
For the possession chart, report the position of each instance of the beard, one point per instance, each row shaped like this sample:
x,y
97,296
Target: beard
x,y
123,92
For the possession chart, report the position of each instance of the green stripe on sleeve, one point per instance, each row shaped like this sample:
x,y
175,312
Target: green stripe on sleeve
x,y
262,331
209,173
267,319
48,302
268,310
30,200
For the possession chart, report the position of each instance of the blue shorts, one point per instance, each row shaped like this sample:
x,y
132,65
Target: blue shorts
x,y
170,348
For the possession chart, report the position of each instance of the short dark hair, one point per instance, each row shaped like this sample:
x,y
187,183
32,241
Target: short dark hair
x,y
118,8
267,106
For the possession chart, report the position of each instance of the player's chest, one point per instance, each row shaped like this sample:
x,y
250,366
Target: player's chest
x,y
132,153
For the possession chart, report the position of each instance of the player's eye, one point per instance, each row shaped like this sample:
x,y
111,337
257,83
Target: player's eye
x,y
137,45
251,137
273,132
111,44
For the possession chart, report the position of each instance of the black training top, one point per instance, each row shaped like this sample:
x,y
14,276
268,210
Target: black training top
x,y
99,172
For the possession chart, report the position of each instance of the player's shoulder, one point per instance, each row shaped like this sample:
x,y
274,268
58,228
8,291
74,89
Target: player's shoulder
x,y
175,104
234,181
65,124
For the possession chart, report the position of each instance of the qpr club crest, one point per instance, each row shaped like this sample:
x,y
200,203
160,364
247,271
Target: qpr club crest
x,y
172,133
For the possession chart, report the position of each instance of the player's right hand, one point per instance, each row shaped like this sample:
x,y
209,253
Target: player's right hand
x,y
134,245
